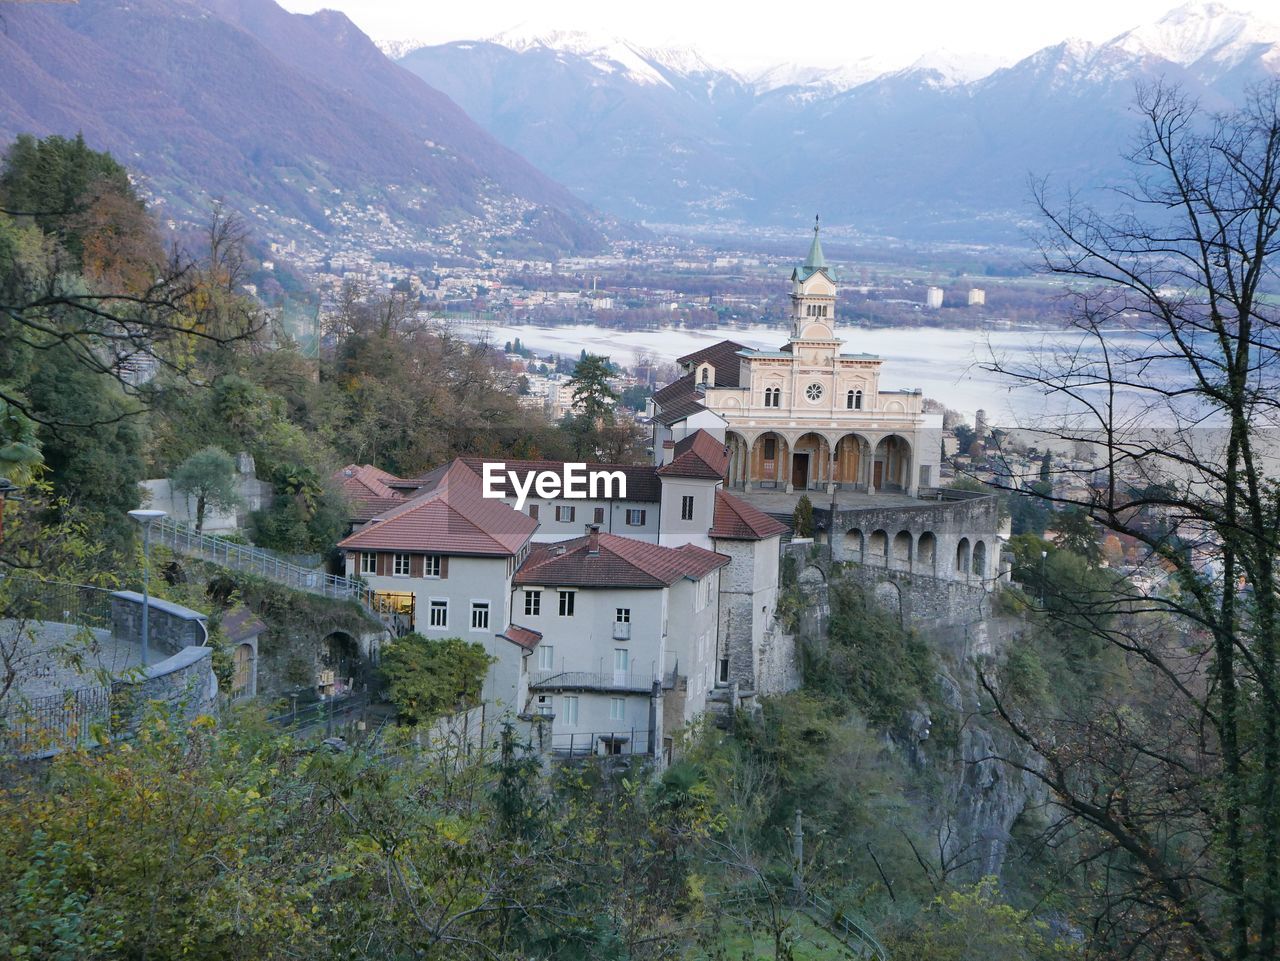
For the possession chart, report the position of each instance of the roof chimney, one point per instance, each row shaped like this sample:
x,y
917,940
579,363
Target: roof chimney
x,y
593,539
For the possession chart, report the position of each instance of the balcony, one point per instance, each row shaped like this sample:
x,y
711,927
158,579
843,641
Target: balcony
x,y
591,681
622,631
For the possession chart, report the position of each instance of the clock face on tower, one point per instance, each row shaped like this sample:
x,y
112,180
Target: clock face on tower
x,y
813,392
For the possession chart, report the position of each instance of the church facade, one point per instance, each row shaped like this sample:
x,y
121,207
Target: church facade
x,y
808,416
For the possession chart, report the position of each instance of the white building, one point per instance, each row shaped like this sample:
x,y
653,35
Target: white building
x,y
977,297
933,298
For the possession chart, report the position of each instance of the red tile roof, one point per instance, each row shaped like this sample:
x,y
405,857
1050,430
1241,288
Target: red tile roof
x,y
522,636
368,489
451,517
699,455
620,562
736,520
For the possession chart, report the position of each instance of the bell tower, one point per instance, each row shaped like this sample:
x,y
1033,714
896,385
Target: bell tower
x,y
813,296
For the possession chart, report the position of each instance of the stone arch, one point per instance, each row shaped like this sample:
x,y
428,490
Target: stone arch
x,y
927,552
766,470
901,550
341,668
878,548
891,463
811,575
849,460
739,454
889,596
855,545
963,553
979,561
810,466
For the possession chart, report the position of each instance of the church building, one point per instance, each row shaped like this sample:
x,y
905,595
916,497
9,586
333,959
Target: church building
x,y
807,416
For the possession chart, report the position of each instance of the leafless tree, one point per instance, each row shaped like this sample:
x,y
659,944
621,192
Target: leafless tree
x,y
1174,782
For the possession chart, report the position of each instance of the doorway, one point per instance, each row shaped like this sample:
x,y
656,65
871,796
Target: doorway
x,y
800,471
877,475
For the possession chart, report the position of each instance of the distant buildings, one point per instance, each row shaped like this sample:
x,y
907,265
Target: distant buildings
x,y
977,297
933,298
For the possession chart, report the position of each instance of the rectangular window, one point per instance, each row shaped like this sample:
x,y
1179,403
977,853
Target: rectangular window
x,y
439,614
533,511
686,507
564,514
546,657
566,603
400,565
431,565
569,710
770,448
724,670
368,563
532,603
599,516
622,615
479,615
617,708
621,660
635,517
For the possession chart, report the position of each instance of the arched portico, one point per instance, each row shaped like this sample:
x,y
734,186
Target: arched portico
x,y
770,461
891,467
810,462
739,456
850,461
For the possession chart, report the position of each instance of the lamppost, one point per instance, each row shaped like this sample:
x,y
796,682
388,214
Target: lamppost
x,y
1043,556
145,517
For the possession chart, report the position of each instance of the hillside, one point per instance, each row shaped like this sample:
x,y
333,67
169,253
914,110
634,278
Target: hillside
x,y
299,121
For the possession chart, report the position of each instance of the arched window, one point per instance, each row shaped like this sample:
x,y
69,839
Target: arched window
x,y
773,397
706,374
857,400
848,400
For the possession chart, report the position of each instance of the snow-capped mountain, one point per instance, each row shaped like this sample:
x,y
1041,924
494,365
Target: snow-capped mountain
x,y
1195,33
943,144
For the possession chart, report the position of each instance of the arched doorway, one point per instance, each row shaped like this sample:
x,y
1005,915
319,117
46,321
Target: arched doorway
x,y
891,464
849,460
878,549
810,462
901,559
770,460
927,552
340,665
855,546
962,556
980,558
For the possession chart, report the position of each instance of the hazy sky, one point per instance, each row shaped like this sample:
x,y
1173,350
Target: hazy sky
x,y
745,34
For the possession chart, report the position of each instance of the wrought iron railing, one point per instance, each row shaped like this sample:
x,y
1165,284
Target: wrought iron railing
x,y
602,744
593,680
253,560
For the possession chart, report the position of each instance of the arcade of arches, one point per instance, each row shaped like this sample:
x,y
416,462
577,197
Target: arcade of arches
x,y
815,460
918,554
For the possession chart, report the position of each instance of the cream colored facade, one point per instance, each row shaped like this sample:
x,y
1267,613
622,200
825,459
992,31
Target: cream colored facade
x,y
810,416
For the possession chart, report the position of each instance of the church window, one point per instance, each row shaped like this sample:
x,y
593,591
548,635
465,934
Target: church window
x,y
854,400
770,448
813,392
773,397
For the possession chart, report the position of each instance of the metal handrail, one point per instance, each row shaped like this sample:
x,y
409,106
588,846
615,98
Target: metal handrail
x,y
606,680
254,560
867,945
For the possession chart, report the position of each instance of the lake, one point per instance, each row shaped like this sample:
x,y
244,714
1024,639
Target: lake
x,y
945,363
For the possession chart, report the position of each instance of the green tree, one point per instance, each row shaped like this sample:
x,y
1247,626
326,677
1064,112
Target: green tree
x,y
208,475
593,398
428,677
802,517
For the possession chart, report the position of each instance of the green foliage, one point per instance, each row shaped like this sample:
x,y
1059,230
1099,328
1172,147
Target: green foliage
x,y
428,677
208,475
593,398
802,517
871,661
975,923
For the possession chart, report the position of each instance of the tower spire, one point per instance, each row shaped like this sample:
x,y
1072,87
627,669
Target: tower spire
x,y
815,260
